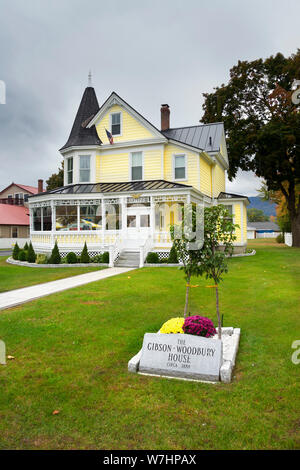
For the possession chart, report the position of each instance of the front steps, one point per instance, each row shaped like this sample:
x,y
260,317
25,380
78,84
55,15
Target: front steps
x,y
130,259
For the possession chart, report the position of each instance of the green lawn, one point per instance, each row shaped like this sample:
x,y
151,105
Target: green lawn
x,y
14,277
71,352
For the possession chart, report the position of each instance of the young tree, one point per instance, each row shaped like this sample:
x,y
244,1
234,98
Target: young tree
x,y
55,257
184,238
84,257
218,230
16,251
31,256
262,125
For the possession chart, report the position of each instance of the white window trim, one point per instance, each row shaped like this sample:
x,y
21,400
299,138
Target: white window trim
x,y
84,169
130,165
16,227
185,163
68,171
121,124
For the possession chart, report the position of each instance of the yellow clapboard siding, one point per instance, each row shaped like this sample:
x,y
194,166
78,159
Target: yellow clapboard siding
x,y
237,220
219,180
192,164
131,128
152,164
205,177
112,168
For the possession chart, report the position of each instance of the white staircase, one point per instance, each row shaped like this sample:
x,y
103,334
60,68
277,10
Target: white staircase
x,y
128,259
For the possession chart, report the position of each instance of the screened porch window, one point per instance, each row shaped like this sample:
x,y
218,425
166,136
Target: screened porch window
x,y
66,217
136,166
179,167
37,219
113,213
84,168
91,217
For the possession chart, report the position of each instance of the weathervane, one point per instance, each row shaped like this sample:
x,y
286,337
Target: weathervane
x,y
90,79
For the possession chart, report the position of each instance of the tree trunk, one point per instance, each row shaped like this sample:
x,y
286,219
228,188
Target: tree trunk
x,y
187,292
295,222
218,313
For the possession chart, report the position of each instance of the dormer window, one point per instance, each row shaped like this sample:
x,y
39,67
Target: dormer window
x,y
180,167
70,170
84,168
115,123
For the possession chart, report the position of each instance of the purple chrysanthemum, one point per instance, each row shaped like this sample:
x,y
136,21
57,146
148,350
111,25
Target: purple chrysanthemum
x,y
199,326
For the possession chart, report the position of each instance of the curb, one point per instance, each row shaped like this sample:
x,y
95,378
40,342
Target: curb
x,y
62,265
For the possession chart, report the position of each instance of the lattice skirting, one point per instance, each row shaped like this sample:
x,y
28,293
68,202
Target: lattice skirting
x,y
162,255
63,254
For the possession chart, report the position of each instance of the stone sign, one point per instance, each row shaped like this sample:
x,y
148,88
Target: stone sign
x,y
181,355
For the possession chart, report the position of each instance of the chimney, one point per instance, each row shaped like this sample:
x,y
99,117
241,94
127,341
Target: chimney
x,y
165,117
40,186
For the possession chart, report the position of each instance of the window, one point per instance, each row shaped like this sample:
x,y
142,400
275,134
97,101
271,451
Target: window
x,y
131,221
90,217
70,170
145,220
136,166
84,168
14,232
66,217
37,219
47,219
230,210
116,123
179,167
113,214
26,197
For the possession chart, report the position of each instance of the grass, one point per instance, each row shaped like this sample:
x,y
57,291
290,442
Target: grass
x,y
71,351
14,277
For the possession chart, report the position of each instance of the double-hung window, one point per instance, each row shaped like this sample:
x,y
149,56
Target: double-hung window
x,y
179,167
136,166
84,168
115,123
70,170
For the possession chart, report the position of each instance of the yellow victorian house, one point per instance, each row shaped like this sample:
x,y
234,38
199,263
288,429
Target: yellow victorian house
x,y
125,182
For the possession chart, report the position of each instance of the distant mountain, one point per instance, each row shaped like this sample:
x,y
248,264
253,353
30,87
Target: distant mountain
x,y
269,208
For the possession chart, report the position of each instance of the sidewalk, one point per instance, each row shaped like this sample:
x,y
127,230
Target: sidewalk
x,y
26,294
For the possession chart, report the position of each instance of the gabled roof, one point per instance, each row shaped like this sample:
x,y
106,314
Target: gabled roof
x,y
205,137
29,189
13,215
127,186
114,98
224,195
81,135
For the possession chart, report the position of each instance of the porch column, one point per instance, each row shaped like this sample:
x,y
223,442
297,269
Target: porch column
x,y
152,217
124,215
103,219
53,222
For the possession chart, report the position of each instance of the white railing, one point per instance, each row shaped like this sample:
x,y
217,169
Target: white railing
x,y
144,250
288,239
114,251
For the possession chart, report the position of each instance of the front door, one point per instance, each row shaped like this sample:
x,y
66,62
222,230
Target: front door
x,y
138,224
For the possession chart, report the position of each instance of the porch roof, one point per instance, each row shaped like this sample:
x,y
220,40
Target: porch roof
x,y
128,186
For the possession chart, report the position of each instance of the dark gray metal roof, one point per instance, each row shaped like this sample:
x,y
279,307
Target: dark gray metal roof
x,y
223,195
263,226
80,134
205,137
117,187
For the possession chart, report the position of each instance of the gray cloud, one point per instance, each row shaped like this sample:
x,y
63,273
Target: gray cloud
x,y
148,52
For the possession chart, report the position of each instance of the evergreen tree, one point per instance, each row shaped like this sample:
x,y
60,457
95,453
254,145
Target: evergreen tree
x,y
84,257
55,257
173,256
16,250
31,256
25,247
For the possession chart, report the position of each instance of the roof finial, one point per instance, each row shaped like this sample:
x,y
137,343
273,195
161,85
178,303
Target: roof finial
x,y
90,79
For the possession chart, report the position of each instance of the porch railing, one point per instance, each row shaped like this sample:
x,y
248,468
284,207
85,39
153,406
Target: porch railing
x,y
144,250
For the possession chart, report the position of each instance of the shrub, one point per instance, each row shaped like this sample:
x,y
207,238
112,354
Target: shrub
x,y
31,256
26,247
173,255
41,259
71,258
105,257
199,326
152,258
174,325
16,251
280,238
55,257
22,255
84,257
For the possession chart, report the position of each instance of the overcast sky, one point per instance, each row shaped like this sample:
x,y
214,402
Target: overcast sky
x,y
149,52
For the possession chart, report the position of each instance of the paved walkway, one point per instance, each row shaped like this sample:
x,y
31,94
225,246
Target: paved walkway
x,y
26,294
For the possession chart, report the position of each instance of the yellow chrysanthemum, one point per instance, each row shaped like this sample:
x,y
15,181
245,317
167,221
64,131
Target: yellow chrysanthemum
x,y
174,325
